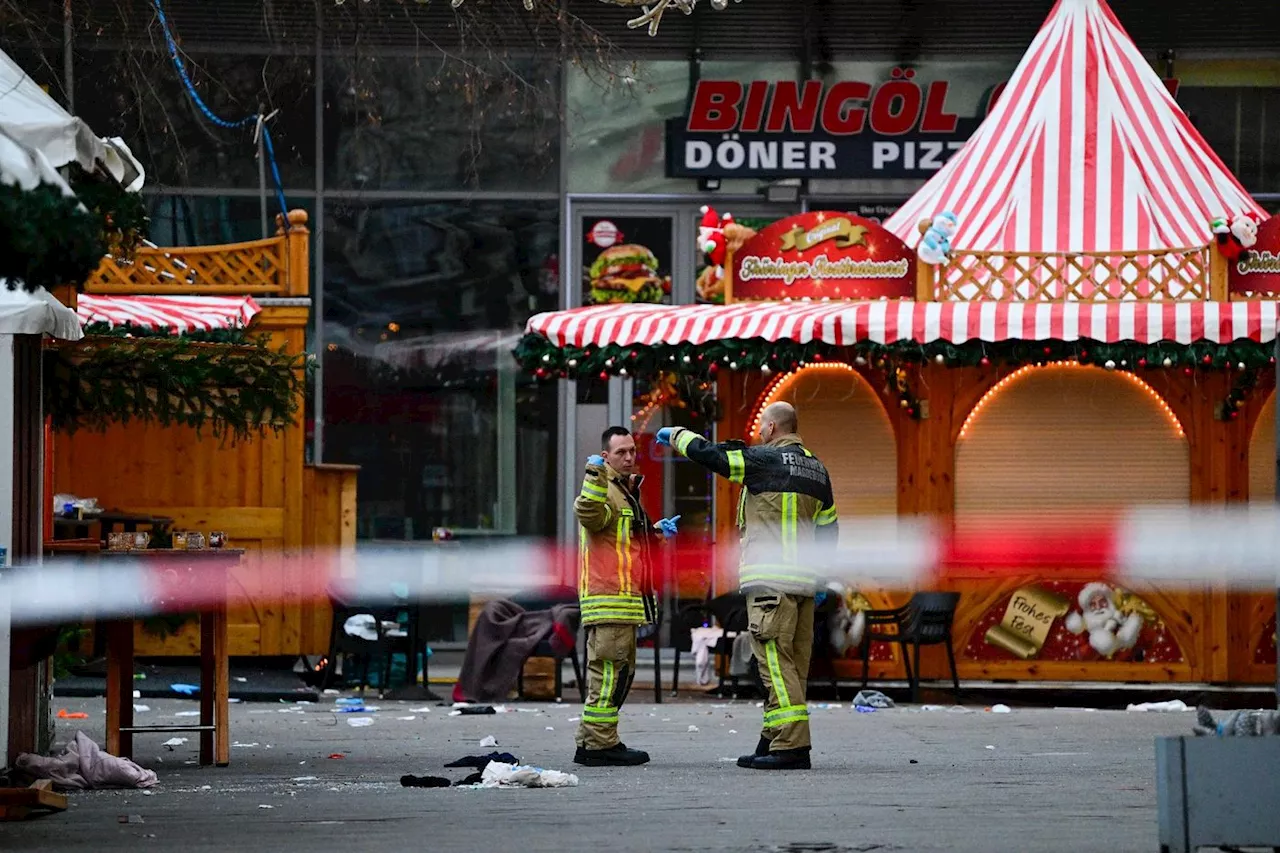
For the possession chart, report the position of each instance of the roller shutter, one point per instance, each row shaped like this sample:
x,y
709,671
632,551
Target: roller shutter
x,y
844,424
1062,442
1262,456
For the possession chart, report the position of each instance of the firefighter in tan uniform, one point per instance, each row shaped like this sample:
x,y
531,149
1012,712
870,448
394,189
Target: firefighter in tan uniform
x,y
786,509
615,590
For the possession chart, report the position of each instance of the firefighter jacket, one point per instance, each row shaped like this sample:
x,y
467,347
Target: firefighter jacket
x,y
786,512
615,580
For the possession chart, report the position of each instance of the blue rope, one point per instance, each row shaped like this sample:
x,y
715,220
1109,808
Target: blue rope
x,y
268,147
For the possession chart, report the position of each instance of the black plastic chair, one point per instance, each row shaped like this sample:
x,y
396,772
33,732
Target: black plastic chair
x,y
342,644
545,599
925,620
730,613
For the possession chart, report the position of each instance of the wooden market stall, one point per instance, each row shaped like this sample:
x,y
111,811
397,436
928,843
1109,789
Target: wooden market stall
x,y
1053,329
258,490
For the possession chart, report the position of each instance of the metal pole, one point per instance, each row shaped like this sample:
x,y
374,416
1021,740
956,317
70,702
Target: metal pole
x,y
262,172
1276,403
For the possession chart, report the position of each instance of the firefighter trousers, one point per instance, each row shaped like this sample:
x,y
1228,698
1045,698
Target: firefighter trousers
x,y
781,627
611,667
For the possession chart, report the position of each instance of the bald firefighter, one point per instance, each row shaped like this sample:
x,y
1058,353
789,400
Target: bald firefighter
x,y
786,508
615,592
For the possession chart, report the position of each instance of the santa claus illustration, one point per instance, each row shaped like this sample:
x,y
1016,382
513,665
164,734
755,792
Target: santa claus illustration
x,y
1110,629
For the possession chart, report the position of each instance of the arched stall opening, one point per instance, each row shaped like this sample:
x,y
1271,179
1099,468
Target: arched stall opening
x,y
1058,445
1259,610
844,422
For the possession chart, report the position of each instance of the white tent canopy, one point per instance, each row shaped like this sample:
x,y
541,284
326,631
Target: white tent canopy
x,y
35,120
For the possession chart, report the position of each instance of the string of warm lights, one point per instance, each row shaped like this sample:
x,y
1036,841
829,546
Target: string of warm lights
x,y
781,384
1013,377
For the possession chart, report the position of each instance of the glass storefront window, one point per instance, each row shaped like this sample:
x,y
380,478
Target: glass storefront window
x,y
617,128
185,220
138,96
405,122
423,304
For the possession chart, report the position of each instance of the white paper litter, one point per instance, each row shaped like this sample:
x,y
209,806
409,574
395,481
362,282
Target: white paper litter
x,y
137,694
305,778
932,708
573,719
406,718
187,714
174,741
693,728
359,722
140,708
989,746
499,775
244,745
331,692
490,740
550,729
1001,709
1172,706
419,710
455,713
733,731
241,679
265,806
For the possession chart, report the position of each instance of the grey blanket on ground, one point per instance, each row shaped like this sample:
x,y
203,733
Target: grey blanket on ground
x,y
84,766
503,637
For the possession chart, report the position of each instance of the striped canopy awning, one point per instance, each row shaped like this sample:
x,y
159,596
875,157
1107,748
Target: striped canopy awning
x,y
174,313
847,323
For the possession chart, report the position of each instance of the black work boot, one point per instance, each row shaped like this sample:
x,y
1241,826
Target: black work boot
x,y
783,759
762,749
615,756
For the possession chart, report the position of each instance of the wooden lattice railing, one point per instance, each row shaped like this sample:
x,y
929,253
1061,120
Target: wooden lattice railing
x,y
276,266
1174,274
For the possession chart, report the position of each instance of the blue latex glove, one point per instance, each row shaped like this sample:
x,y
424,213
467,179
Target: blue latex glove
x,y
595,459
664,435
668,526
820,598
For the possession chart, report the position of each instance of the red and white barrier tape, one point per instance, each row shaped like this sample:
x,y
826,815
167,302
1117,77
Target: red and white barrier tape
x,y
1237,548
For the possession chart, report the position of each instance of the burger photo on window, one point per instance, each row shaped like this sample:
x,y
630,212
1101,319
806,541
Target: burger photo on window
x,y
626,273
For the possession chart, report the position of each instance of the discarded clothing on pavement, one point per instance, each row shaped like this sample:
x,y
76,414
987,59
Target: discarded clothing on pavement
x,y
504,636
500,775
408,781
480,762
872,699
84,766
1238,724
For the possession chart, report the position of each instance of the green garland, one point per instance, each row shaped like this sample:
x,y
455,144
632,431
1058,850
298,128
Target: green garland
x,y
122,216
546,361
129,330
46,239
233,390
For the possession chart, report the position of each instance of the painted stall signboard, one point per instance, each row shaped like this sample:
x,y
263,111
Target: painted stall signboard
x,y
1257,269
823,255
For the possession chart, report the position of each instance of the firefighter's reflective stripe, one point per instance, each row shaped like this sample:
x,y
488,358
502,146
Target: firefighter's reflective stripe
x,y
683,439
604,712
584,560
737,466
786,714
612,608
622,550
742,509
775,673
593,491
763,574
789,526
825,516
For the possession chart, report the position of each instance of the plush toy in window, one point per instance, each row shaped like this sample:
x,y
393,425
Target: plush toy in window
x,y
1235,235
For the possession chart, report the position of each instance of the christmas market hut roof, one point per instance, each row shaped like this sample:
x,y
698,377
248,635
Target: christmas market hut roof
x,y
177,314
1086,151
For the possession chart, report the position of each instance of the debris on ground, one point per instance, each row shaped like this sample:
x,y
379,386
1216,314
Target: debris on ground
x,y
1169,707
420,710
406,719
872,699
408,781
359,722
185,689
1238,723
265,806
693,729
488,741
499,775
1001,709
64,714
240,745
864,709
480,762
989,746
336,755
130,818
174,741
138,709
187,714
84,765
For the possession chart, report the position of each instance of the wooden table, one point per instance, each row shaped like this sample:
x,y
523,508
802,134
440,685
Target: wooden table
x,y
214,728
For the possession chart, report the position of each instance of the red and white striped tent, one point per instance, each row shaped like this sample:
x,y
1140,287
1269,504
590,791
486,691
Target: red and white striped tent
x,y
175,313
1086,151
847,323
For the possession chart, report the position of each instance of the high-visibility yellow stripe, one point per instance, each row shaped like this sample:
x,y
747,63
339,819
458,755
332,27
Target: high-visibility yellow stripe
x,y
737,466
593,492
620,550
584,557
823,517
742,509
683,439
606,687
789,526
784,715
775,673
759,574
